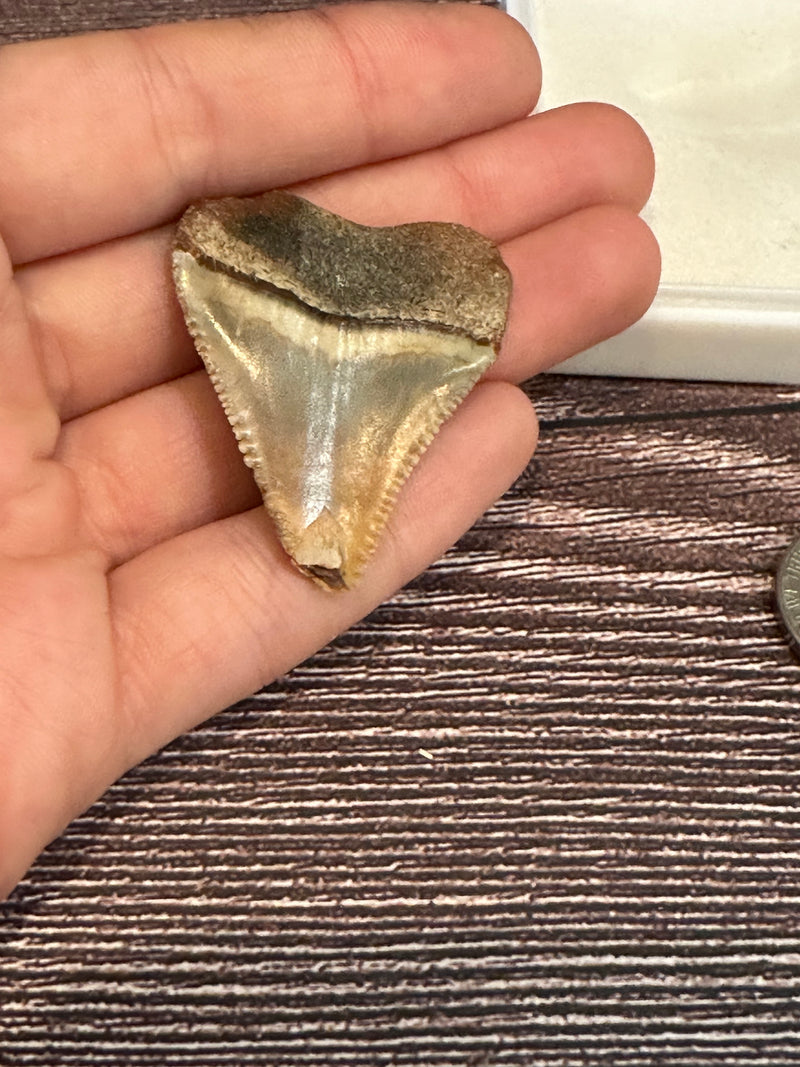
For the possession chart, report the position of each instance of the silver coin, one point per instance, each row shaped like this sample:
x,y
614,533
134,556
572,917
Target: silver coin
x,y
788,591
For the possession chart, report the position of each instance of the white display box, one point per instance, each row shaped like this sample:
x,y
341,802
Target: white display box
x,y
716,85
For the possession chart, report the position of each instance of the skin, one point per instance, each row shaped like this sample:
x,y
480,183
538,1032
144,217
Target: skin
x,y
141,586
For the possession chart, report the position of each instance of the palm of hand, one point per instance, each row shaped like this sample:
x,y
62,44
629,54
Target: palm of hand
x,y
141,587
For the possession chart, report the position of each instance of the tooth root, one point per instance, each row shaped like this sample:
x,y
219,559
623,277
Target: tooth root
x,y
337,351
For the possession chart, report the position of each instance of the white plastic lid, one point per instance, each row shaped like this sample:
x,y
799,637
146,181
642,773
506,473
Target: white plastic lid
x,y
718,92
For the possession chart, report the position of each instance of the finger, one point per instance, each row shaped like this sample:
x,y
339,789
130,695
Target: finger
x,y
108,320
225,596
114,326
110,133
577,282
164,461
29,424
155,465
506,181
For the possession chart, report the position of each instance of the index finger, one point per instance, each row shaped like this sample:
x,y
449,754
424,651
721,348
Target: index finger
x,y
110,133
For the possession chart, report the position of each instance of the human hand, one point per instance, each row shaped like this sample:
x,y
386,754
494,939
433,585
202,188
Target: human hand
x,y
141,585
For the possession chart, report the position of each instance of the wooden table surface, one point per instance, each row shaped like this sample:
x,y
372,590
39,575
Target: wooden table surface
x,y
539,809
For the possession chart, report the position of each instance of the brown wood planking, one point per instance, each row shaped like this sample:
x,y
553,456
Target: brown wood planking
x,y
540,808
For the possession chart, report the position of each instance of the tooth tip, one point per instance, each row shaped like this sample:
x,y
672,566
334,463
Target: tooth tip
x,y
328,578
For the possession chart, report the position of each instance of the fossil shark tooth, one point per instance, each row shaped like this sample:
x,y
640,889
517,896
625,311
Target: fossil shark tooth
x,y
337,351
